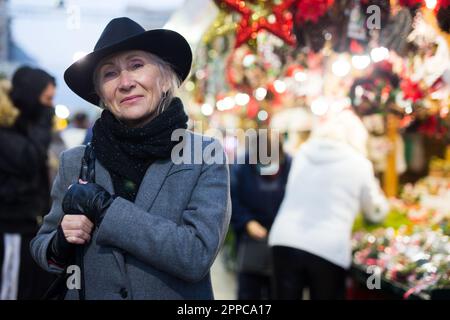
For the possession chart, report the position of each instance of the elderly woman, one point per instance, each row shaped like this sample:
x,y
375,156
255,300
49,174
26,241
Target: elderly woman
x,y
150,226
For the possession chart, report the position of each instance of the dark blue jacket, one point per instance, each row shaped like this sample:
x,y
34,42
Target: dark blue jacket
x,y
256,197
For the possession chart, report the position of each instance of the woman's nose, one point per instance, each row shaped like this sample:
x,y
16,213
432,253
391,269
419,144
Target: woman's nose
x,y
126,81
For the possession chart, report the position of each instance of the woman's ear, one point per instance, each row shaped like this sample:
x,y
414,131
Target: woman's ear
x,y
166,87
102,104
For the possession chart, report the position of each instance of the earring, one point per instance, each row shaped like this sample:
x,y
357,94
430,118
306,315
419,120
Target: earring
x,y
162,103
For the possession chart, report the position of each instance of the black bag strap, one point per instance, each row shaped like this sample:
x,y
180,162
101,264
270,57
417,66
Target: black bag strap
x,y
87,174
87,171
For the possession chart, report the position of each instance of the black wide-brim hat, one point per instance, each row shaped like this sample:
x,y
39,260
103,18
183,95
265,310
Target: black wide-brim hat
x,y
123,34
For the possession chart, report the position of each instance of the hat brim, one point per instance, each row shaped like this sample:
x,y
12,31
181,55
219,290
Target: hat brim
x,y
166,44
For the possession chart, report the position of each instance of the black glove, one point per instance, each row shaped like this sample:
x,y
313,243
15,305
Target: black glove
x,y
89,199
60,250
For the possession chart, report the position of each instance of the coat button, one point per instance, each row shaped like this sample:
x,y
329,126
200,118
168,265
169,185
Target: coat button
x,y
123,293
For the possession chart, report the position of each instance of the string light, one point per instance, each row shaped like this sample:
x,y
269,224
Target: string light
x,y
341,67
190,86
200,74
207,109
225,104
300,76
319,106
360,62
242,99
263,115
62,111
431,4
408,110
379,54
279,86
260,94
248,60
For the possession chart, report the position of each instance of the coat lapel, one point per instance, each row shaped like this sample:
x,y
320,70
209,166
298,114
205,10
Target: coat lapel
x,y
154,179
103,178
152,183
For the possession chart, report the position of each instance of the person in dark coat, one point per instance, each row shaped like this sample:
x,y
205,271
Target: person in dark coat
x,y
256,196
24,191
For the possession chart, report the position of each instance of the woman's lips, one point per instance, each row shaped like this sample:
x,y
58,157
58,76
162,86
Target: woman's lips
x,y
130,100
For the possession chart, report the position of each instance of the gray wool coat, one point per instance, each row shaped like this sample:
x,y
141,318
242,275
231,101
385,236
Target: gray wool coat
x,y
161,246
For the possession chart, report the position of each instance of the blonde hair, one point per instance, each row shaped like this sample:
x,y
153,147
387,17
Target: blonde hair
x,y
167,76
344,127
8,112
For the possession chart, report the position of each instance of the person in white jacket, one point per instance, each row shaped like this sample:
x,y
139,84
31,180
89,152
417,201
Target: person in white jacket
x,y
330,182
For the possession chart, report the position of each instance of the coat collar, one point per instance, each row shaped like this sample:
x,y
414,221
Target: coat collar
x,y
150,186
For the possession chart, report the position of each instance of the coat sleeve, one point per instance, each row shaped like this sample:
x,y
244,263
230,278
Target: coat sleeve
x,y
41,241
373,203
185,250
21,155
240,214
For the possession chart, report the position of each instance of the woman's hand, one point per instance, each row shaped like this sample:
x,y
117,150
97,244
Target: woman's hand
x,y
256,230
77,228
88,199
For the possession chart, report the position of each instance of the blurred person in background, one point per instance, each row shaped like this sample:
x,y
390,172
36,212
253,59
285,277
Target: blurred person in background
x,y
75,133
25,136
330,182
256,196
88,136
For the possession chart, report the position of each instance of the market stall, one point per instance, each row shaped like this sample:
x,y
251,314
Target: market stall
x,y
410,251
291,64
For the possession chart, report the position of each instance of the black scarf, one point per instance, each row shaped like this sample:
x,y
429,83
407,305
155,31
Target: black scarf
x,y
128,152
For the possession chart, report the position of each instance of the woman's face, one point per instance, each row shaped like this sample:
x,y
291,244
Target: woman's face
x,y
128,84
46,97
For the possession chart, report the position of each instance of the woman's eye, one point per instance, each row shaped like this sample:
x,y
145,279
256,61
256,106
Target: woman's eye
x,y
109,74
137,65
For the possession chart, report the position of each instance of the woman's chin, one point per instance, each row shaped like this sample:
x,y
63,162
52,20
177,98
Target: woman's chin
x,y
136,118
132,113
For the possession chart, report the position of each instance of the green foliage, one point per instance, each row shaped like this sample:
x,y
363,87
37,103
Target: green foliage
x,y
394,219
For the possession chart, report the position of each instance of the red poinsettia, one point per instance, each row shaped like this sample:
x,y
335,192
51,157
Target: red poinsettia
x,y
311,10
411,90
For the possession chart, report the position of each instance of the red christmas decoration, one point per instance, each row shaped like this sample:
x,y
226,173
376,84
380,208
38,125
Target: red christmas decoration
x,y
311,10
276,97
252,108
249,27
355,47
411,3
384,65
442,4
411,90
433,127
293,69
